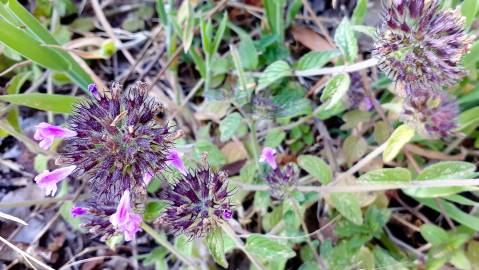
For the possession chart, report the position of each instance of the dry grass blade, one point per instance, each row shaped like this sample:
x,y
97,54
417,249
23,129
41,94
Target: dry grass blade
x,y
12,218
24,254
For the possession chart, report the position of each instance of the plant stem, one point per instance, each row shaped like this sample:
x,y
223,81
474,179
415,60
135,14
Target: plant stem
x,y
149,230
254,142
239,244
296,208
365,187
339,69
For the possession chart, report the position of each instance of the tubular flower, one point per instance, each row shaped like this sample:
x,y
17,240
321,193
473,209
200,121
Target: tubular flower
x,y
174,158
124,219
46,133
432,113
48,180
419,44
197,202
105,218
268,156
282,181
118,141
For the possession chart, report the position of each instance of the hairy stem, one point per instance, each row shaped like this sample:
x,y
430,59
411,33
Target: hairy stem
x,y
239,244
149,230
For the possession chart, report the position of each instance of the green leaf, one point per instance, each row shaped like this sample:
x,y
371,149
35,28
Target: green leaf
x,y
229,125
469,10
214,241
348,205
219,34
354,148
16,14
156,257
160,9
294,108
268,249
387,175
386,262
215,156
381,132
455,213
346,40
247,52
153,210
246,48
400,137
469,120
434,234
188,33
453,170
359,12
274,10
354,118
30,48
45,102
13,87
273,73
334,91
314,60
316,167
261,200
274,138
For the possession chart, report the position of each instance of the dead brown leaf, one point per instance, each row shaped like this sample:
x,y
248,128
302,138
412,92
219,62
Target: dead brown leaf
x,y
311,39
234,151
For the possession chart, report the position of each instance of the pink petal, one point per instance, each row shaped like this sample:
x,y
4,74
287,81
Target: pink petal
x,y
46,142
121,215
124,219
46,133
268,156
174,158
147,178
48,180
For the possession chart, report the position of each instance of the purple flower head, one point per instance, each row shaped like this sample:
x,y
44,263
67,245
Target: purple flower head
x,y
174,158
78,211
46,133
118,141
282,181
48,180
268,156
356,97
124,219
197,202
432,113
419,44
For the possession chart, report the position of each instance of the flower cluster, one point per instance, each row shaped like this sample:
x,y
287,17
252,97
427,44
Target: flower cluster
x,y
197,202
118,141
419,44
420,47
281,181
114,141
433,113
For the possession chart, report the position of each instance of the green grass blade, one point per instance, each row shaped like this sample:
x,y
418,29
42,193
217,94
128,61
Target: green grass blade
x,y
45,102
